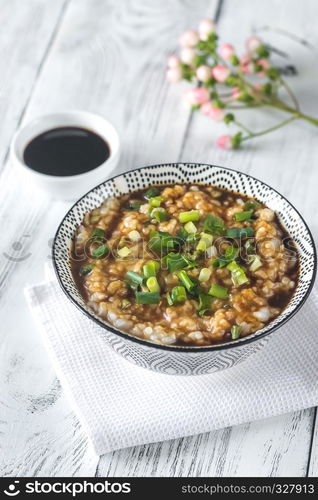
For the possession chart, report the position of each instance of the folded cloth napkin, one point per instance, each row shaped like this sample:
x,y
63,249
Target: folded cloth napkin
x,y
122,405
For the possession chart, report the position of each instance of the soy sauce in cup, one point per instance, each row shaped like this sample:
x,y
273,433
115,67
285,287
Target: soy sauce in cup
x,y
66,151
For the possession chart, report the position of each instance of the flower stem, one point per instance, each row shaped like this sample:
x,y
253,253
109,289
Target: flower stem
x,y
251,135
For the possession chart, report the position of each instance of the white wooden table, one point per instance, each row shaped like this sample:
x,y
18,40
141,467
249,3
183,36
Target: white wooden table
x,y
108,56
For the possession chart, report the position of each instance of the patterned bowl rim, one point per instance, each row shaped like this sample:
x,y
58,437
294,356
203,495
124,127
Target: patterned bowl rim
x,y
230,345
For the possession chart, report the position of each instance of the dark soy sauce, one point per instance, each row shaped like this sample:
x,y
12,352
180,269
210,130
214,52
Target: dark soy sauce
x,y
66,151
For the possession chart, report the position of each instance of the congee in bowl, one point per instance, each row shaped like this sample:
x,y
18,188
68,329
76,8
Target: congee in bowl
x,y
184,264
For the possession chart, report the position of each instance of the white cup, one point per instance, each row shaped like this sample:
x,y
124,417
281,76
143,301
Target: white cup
x,y
69,187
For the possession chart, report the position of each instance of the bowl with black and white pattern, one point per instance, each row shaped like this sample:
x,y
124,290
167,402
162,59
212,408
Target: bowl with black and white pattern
x,y
183,360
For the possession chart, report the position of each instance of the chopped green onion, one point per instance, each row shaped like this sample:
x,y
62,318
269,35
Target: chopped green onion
x,y
185,280
193,238
205,302
151,193
152,284
125,303
230,254
207,238
205,274
220,292
182,234
155,201
242,216
98,234
151,268
134,235
85,270
123,252
213,224
169,299
160,214
162,242
135,277
175,262
190,228
201,246
240,232
178,294
235,332
251,205
133,205
190,216
237,274
249,246
147,297
256,262
100,252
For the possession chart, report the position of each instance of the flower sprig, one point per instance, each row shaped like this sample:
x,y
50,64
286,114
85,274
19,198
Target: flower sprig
x,y
226,82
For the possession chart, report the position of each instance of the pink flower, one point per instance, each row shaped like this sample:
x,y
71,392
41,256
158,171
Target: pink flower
x,y
224,142
236,93
196,96
174,75
206,27
217,114
189,38
265,64
220,73
173,62
203,73
187,55
253,43
246,64
227,51
206,108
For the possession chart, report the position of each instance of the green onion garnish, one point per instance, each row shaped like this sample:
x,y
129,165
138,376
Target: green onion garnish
x,y
152,284
151,268
205,274
125,303
237,274
235,332
161,242
240,232
201,246
190,228
134,235
151,193
190,216
230,254
133,205
185,280
123,252
135,277
155,201
160,214
175,262
85,270
147,297
98,234
169,299
251,205
205,302
178,294
255,261
213,224
100,252
242,216
220,292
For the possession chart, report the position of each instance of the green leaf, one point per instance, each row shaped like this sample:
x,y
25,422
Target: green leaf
x,y
213,224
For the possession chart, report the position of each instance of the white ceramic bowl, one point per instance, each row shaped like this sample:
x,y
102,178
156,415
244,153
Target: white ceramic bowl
x,y
183,360
73,186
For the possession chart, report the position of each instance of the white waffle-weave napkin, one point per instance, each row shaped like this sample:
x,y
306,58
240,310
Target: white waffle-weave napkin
x,y
122,405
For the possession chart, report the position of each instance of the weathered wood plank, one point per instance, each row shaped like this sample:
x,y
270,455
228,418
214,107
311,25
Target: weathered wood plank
x,y
273,447
107,57
28,30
